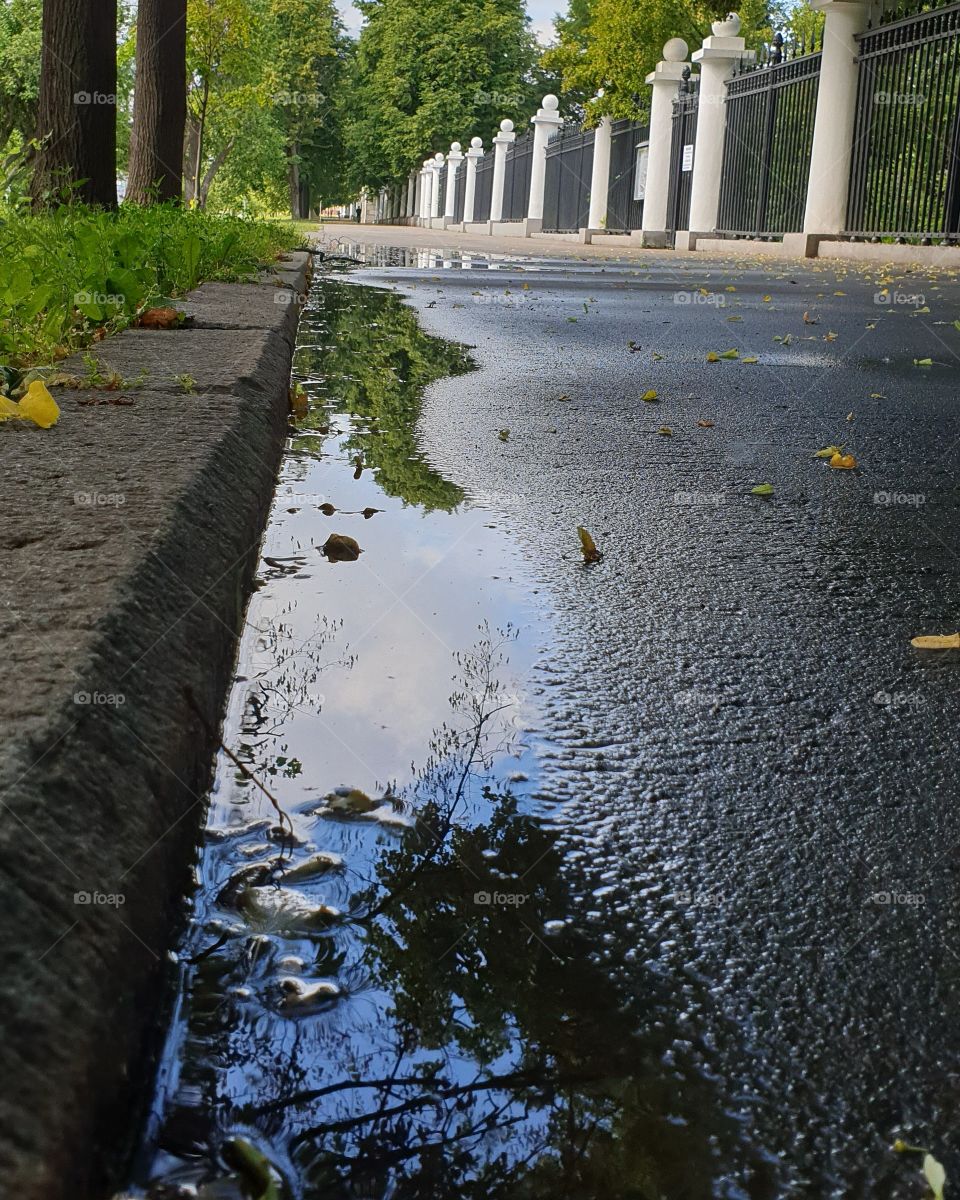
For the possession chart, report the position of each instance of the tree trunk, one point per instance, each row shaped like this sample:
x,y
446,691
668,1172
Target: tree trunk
x,y
190,138
201,129
293,179
77,110
211,173
160,102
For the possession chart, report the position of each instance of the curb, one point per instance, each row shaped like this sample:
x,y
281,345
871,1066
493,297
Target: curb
x,y
129,540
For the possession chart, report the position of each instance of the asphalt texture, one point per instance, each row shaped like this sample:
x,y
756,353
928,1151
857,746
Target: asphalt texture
x,y
759,773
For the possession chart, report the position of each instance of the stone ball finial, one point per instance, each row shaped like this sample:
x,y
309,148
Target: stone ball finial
x,y
675,50
438,157
455,147
550,102
477,143
506,125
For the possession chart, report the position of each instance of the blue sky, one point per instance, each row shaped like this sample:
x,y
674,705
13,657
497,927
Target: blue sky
x,y
541,13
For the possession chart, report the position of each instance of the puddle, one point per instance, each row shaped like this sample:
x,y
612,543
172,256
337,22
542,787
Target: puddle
x,y
384,988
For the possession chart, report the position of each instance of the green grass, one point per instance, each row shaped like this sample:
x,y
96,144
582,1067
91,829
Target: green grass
x,y
66,274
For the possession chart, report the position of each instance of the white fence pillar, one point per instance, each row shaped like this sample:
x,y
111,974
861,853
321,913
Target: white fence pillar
x,y
664,80
500,144
600,174
454,159
545,123
426,189
473,156
829,181
436,167
716,58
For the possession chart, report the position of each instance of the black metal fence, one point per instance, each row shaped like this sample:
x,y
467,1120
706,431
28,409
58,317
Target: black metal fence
x,y
624,205
683,137
461,192
484,188
516,178
566,191
905,173
769,117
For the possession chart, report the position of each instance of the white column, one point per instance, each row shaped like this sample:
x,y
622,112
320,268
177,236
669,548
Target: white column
x,y
545,123
664,80
500,144
410,210
473,156
600,174
437,167
826,210
426,190
716,58
454,159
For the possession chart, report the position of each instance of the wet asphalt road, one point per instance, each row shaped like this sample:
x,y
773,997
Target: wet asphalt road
x,y
760,772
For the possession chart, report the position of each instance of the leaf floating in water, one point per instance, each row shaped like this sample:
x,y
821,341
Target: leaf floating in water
x,y
808,320
762,489
750,359
310,996
367,513
350,800
650,395
937,641
256,1169
340,548
923,362
589,547
311,868
633,347
713,356
298,400
39,406
730,354
327,509
358,466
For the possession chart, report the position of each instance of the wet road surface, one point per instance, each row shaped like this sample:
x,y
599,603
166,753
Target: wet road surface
x,y
726,785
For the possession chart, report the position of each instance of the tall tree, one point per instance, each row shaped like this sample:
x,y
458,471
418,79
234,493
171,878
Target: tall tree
x,y
19,68
160,102
77,119
427,74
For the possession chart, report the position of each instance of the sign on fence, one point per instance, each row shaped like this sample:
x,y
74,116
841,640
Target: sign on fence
x,y
686,163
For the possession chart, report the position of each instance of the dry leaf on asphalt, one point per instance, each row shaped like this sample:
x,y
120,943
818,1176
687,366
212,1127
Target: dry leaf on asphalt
x,y
650,395
937,641
589,547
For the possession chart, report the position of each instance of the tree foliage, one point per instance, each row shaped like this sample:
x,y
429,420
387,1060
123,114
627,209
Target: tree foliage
x,y
426,75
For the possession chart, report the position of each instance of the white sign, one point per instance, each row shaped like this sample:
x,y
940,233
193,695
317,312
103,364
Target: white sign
x,y
640,173
686,163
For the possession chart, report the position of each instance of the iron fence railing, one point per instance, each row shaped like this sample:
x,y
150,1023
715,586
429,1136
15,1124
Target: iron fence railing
x,y
460,192
683,137
905,172
769,117
516,178
627,175
484,188
566,192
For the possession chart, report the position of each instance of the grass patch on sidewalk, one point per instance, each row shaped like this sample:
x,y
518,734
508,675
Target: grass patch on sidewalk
x,y
73,275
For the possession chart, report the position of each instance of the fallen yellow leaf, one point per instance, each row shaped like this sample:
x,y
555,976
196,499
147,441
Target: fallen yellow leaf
x,y
843,462
829,452
649,395
665,431
937,641
589,547
39,406
713,356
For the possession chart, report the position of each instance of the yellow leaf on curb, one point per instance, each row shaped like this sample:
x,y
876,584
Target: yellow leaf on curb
x,y
39,406
8,408
650,395
937,641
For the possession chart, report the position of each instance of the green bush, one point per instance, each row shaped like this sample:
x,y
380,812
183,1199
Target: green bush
x,y
70,272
